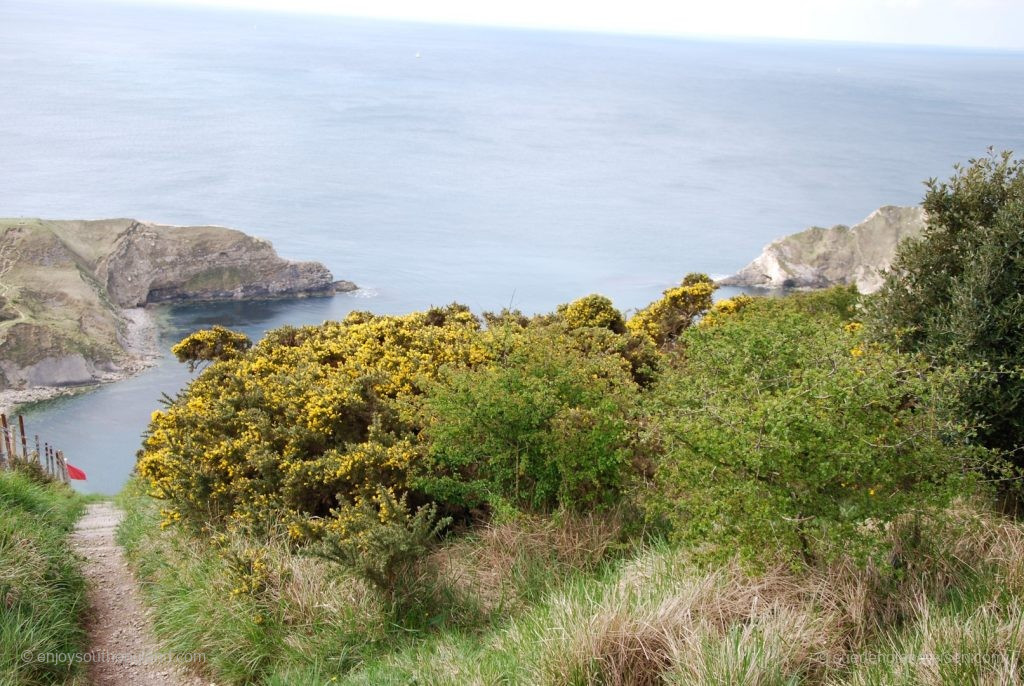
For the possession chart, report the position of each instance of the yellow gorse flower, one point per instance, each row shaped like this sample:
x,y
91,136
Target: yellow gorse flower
x,y
307,412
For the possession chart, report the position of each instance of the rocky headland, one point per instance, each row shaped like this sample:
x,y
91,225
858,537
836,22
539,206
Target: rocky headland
x,y
842,255
73,293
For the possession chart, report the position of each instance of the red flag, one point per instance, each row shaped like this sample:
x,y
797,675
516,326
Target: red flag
x,y
75,473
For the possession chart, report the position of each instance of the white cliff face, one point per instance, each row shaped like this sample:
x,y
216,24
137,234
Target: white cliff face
x,y
841,255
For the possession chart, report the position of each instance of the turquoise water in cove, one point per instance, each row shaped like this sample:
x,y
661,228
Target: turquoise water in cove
x,y
431,164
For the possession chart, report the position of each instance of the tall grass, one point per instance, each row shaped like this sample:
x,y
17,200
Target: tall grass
x,y
544,600
302,620
946,609
42,592
297,615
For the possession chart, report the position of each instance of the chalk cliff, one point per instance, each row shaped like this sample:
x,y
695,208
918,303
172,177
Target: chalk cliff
x,y
842,255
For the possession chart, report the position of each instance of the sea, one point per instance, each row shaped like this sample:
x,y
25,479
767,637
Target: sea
x,y
431,164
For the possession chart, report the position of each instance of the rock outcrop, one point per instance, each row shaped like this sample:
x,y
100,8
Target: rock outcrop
x,y
157,264
68,290
841,255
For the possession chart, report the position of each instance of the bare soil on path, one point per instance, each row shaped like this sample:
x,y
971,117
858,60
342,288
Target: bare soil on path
x,y
122,648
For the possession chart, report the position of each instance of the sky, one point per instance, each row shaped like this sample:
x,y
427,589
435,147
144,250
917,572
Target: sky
x,y
962,23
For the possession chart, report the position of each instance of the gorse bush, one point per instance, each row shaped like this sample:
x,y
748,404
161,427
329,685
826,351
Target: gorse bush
x,y
723,308
789,432
378,539
311,423
309,420
664,319
593,310
218,343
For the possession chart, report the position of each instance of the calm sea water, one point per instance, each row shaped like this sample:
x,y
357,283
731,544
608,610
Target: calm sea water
x,y
432,164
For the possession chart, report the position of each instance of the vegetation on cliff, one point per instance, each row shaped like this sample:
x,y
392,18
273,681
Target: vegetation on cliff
x,y
762,510
66,286
797,490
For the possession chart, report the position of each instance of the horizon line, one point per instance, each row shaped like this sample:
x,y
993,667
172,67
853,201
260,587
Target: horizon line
x,y
218,7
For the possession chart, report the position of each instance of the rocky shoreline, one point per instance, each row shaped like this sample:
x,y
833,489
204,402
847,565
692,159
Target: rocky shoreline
x,y
142,352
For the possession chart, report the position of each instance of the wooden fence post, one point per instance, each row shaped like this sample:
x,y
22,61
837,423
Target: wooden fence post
x,y
24,440
7,438
45,456
64,468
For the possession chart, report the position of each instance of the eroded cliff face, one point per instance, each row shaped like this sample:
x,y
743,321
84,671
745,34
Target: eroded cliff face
x,y
156,264
842,255
67,289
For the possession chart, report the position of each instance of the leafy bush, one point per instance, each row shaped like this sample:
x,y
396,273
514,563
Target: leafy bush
x,y
314,419
780,429
548,425
957,292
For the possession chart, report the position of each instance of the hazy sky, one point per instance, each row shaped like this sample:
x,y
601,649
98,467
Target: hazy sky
x,y
977,23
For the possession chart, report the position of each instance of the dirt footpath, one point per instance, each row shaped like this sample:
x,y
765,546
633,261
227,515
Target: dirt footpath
x,y
122,648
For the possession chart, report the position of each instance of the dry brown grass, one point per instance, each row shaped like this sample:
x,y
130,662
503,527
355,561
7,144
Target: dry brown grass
x,y
663,623
555,614
638,633
502,566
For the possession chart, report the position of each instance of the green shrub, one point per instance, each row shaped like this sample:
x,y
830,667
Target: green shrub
x,y
548,425
780,429
956,293
497,320
379,539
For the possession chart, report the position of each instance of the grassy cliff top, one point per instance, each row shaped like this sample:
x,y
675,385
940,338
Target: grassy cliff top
x,y
63,284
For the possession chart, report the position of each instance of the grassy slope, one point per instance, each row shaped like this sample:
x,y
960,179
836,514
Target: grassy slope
x,y
544,602
307,622
42,593
54,299
55,306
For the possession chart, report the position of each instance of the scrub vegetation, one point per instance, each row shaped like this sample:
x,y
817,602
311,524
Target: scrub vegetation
x,y
811,489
